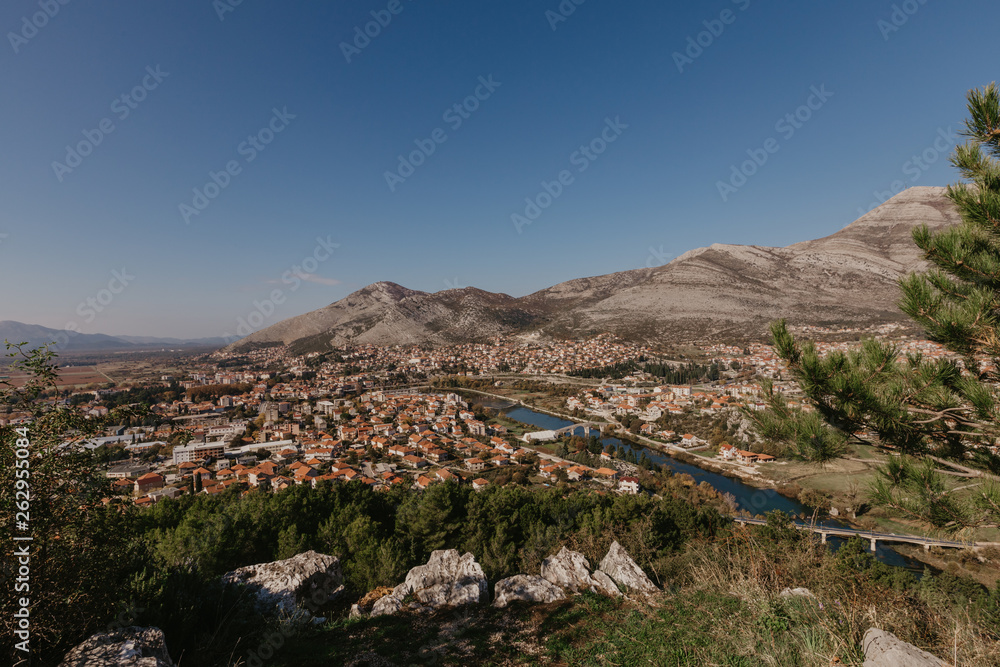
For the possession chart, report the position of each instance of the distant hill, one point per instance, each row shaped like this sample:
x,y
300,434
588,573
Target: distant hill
x,y
723,290
35,335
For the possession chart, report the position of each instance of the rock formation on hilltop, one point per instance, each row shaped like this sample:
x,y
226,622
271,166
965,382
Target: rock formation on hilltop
x,y
846,278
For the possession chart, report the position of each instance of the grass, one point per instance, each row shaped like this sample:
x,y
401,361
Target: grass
x,y
722,606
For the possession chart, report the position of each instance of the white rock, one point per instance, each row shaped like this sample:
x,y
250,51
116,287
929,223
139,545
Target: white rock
x,y
128,647
797,593
618,565
447,580
884,649
528,587
606,584
570,571
304,582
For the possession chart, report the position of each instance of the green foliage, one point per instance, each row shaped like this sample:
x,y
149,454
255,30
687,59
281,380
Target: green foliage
x,y
81,548
920,406
915,489
802,435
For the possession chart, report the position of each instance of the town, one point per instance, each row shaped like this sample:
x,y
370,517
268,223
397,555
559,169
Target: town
x,y
265,419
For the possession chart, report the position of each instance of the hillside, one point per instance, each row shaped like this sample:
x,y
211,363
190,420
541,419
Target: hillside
x,y
845,278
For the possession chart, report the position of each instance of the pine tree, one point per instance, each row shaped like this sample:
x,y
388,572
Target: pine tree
x,y
933,411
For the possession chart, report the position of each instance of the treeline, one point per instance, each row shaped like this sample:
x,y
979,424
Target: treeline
x,y
379,536
214,391
143,395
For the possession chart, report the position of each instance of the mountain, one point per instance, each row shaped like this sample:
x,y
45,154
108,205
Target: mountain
x,y
173,342
35,335
723,290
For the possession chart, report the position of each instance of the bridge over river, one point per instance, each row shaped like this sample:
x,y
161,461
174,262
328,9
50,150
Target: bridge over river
x,y
874,537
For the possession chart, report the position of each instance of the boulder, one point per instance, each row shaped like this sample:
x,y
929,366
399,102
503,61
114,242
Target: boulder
x,y
571,571
305,582
884,649
527,587
447,580
126,647
391,603
606,584
618,565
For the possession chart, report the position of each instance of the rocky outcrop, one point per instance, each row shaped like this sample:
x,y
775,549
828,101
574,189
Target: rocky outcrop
x,y
570,571
447,580
618,565
527,587
884,649
303,583
127,647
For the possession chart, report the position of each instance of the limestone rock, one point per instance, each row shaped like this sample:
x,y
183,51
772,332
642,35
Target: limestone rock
x,y
606,584
447,580
304,582
797,593
391,603
884,649
528,587
618,565
127,647
571,571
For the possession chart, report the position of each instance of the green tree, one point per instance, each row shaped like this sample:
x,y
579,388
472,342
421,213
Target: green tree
x,y
81,537
936,410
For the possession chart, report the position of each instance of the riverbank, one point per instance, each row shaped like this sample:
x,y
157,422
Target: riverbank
x,y
775,486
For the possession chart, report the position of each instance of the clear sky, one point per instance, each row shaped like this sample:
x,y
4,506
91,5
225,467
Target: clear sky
x,y
330,111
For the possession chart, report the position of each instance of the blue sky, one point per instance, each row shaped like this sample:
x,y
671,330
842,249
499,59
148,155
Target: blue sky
x,y
892,78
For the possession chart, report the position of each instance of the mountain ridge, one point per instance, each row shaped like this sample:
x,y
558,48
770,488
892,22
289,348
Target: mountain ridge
x,y
847,277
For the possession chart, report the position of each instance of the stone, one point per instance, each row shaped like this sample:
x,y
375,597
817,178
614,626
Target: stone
x,y
527,587
126,647
606,584
303,583
391,603
620,567
447,580
796,592
570,570
884,649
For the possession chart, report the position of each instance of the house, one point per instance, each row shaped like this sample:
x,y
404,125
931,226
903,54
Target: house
x,y
414,461
607,473
727,451
437,455
304,474
475,465
149,482
128,471
448,476
479,484
168,492
629,485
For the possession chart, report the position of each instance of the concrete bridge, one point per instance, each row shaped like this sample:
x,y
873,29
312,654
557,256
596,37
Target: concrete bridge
x,y
874,537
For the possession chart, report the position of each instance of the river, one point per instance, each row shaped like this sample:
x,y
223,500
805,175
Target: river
x,y
749,498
